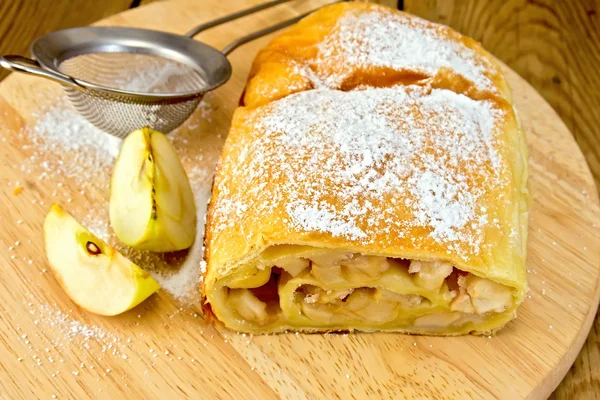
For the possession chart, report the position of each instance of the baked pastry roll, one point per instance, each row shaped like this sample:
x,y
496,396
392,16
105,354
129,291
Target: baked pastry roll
x,y
350,45
392,205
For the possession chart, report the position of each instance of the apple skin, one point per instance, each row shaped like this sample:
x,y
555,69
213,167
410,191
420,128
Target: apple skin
x,y
151,201
93,274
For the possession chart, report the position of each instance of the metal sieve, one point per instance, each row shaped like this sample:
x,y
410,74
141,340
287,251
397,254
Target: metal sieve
x,y
101,71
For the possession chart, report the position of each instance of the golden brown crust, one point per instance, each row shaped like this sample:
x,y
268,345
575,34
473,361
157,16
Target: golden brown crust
x,y
250,210
288,63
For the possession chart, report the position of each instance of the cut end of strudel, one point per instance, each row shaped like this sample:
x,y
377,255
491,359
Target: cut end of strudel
x,y
373,179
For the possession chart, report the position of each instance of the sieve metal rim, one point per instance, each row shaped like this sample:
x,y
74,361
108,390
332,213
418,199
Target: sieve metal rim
x,y
45,55
54,48
211,64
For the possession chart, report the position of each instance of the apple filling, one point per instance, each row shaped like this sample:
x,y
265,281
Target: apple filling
x,y
324,289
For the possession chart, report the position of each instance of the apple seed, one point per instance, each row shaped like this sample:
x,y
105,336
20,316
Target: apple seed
x,y
92,248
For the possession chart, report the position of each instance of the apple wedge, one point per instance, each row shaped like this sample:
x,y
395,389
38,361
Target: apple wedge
x,y
151,201
94,275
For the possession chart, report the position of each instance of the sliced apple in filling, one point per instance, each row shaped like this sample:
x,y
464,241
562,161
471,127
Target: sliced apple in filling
x,y
253,279
430,274
94,275
248,305
334,288
405,300
151,201
328,274
369,266
487,296
293,265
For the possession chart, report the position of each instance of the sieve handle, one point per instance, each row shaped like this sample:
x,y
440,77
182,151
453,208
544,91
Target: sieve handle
x,y
255,35
32,67
219,21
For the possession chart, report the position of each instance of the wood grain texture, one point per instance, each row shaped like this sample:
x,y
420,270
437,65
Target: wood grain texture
x,y
555,46
526,360
389,3
22,21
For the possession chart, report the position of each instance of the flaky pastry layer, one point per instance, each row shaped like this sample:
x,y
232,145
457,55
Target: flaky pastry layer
x,y
356,171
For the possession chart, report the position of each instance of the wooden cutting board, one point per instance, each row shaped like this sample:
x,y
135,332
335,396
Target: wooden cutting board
x,y
163,349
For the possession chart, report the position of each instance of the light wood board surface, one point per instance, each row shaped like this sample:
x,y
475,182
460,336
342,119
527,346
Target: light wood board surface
x,y
163,349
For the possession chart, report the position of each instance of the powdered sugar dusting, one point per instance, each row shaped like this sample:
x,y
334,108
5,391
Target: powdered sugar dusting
x,y
366,39
337,156
322,218
62,126
73,160
135,72
72,328
63,144
72,331
184,284
165,77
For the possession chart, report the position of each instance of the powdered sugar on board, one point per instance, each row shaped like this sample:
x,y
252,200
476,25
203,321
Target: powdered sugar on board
x,y
73,329
63,341
335,161
61,145
364,39
68,154
63,127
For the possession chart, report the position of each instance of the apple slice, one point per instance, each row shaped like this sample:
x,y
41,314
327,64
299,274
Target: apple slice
x,y
253,279
94,275
293,265
248,305
151,201
321,313
329,274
